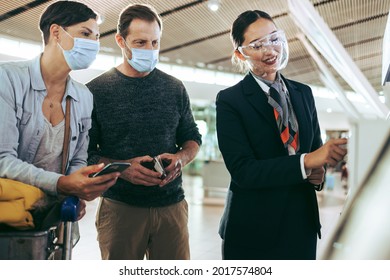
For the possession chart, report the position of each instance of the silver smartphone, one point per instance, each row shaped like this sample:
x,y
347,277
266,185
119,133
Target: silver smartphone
x,y
157,165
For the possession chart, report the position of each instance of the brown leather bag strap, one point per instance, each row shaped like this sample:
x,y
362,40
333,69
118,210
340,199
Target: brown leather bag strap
x,y
65,147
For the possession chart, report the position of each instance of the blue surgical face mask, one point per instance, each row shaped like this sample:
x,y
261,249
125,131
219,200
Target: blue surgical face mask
x,y
82,54
143,60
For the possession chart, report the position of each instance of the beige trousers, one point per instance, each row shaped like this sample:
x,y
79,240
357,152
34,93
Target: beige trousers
x,y
126,232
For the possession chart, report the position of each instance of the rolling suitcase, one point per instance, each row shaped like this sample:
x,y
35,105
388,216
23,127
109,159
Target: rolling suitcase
x,y
55,242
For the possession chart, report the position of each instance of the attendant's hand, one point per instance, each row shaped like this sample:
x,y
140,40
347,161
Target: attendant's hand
x,y
330,153
140,175
317,176
81,185
174,168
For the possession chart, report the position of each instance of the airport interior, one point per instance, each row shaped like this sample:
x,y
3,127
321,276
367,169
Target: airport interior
x,y
340,48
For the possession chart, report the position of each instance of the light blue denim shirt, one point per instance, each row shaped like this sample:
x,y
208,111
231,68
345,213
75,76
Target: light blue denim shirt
x,y
22,91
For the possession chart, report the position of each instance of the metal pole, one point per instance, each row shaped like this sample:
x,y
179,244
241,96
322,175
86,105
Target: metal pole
x,y
67,241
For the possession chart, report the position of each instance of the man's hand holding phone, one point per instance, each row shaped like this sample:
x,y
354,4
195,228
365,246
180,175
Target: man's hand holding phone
x,y
156,165
142,172
149,171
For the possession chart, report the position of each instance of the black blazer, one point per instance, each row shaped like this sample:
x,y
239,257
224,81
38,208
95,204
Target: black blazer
x,y
265,180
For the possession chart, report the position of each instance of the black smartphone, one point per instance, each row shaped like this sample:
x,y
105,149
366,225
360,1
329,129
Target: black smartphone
x,y
112,167
156,165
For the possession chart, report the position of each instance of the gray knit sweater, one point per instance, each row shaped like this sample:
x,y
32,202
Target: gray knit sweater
x,y
135,117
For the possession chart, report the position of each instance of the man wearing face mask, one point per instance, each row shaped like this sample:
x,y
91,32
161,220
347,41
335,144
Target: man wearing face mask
x,y
33,98
140,113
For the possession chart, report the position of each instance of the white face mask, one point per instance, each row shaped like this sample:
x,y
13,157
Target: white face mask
x,y
142,60
83,53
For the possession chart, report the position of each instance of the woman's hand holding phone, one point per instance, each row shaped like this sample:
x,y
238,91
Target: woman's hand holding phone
x,y
81,185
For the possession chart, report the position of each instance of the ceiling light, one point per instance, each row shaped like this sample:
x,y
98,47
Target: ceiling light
x,y
164,58
107,49
100,19
213,5
200,64
318,32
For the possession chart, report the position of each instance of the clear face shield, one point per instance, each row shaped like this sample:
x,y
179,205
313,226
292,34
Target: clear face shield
x,y
273,49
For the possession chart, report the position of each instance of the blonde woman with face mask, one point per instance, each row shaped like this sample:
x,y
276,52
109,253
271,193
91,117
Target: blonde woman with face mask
x,y
269,137
33,98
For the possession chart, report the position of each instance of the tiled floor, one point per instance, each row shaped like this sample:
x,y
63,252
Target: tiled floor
x,y
204,216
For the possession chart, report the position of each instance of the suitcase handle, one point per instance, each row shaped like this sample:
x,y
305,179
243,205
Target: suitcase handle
x,y
70,209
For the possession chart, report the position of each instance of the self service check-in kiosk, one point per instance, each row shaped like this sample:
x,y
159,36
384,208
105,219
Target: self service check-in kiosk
x,y
363,231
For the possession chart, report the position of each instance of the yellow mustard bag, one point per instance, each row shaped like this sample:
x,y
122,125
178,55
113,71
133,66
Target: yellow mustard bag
x,y
16,199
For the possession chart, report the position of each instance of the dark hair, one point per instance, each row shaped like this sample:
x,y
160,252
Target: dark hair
x,y
239,27
134,11
64,13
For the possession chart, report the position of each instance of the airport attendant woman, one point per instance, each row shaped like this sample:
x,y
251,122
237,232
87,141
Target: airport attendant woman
x,y
269,137
32,104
